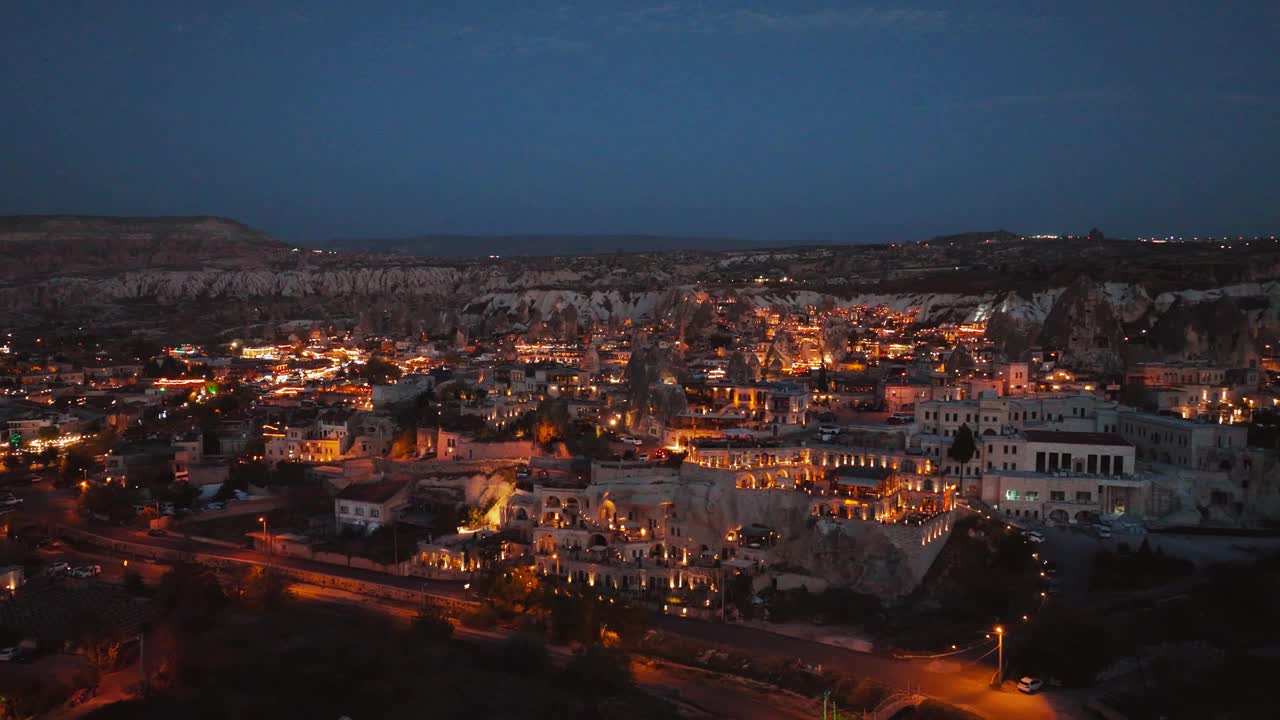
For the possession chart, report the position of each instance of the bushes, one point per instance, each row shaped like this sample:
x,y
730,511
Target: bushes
x,y
430,625
599,671
482,618
133,583
1136,570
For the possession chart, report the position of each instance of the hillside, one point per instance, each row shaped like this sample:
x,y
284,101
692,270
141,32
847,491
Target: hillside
x,y
213,277
39,245
528,245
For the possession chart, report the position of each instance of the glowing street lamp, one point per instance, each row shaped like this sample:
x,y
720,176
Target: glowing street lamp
x,y
1000,659
266,536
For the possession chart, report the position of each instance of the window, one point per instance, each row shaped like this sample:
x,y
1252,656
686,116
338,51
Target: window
x,y
1084,496
373,513
1031,495
345,510
1057,496
360,511
1117,465
1011,495
1040,466
1092,464
1106,464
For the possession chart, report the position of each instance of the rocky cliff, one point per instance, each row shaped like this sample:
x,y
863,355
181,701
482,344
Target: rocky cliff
x,y
217,277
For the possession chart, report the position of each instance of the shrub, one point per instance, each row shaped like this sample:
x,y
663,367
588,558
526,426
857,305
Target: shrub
x,y
430,625
482,618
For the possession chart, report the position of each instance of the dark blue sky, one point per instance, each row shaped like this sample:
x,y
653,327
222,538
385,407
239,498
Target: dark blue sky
x,y
781,121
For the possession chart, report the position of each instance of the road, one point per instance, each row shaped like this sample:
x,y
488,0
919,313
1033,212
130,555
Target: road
x,y
44,504
697,692
959,683
956,683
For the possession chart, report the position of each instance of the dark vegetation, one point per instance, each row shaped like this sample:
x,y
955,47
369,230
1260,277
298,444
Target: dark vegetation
x,y
1206,652
983,577
217,661
1125,569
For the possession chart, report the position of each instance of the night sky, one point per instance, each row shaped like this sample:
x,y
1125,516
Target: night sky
x,y
776,121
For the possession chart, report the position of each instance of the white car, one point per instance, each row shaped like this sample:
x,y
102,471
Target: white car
x,y
1030,685
1104,532
86,571
829,429
1035,536
8,654
630,440
57,568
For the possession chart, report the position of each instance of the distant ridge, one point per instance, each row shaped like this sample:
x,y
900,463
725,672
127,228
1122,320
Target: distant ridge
x,y
443,245
68,244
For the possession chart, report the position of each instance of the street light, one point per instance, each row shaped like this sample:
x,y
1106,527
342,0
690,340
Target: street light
x,y
266,536
1000,660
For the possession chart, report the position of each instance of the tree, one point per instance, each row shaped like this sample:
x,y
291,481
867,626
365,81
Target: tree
x,y
110,500
404,445
48,456
76,463
262,589
377,371
133,583
551,420
599,671
192,593
430,625
183,494
48,433
290,473
963,447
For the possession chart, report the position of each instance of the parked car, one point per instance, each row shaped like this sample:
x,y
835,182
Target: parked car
x,y
86,571
157,532
57,568
1030,685
631,440
643,457
829,429
9,653
1104,532
1034,536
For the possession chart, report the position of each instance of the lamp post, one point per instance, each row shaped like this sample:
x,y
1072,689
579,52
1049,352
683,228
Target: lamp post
x,y
266,537
1000,656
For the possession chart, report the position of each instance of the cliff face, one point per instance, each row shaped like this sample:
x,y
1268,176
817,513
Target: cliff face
x,y
1085,329
216,276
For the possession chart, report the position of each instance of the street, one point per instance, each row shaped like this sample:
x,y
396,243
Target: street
x,y
958,683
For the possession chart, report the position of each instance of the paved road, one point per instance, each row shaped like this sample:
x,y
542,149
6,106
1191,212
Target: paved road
x,y
43,503
957,683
